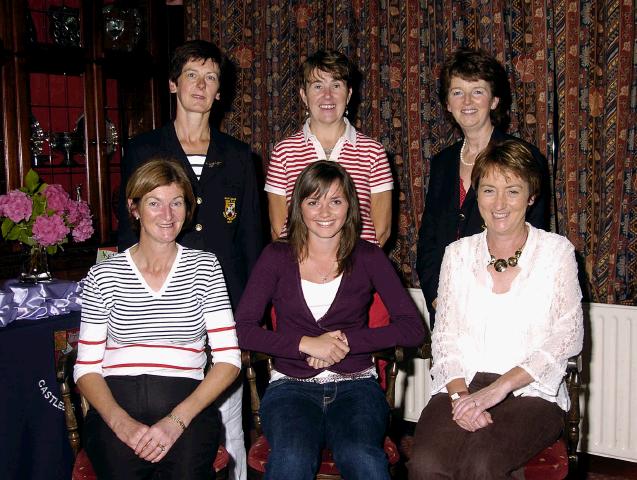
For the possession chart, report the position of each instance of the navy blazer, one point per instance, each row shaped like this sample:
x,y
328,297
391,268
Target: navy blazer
x,y
444,221
227,219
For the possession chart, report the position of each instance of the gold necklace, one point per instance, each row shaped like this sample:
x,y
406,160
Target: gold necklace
x,y
501,264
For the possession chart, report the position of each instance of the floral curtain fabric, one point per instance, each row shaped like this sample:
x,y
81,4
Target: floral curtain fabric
x,y
573,71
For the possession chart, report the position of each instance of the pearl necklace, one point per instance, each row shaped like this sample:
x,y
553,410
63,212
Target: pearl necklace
x,y
464,142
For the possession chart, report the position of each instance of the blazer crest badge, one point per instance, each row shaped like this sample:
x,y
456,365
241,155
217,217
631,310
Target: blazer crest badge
x,y
230,210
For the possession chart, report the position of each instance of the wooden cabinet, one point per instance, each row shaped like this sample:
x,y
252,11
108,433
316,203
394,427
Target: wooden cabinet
x,y
78,78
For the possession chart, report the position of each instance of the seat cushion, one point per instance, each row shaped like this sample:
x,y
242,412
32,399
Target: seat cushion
x,y
258,456
550,464
83,470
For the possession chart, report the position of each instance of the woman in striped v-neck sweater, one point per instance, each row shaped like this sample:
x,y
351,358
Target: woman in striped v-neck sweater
x,y
146,316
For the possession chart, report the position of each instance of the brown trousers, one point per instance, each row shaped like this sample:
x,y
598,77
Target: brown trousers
x,y
521,428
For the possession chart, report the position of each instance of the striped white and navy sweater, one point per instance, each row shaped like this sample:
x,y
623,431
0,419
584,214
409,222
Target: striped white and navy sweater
x,y
129,329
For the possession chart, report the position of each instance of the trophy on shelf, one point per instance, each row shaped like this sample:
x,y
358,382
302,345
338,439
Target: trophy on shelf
x,y
110,141
65,142
37,141
65,26
122,28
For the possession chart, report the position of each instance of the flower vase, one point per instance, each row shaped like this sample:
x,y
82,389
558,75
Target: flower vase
x,y
35,268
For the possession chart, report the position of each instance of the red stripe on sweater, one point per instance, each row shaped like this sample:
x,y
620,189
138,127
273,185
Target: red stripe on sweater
x,y
161,365
223,329
144,345
89,342
224,349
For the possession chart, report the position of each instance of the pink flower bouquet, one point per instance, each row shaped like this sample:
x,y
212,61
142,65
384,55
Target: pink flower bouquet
x,y
41,215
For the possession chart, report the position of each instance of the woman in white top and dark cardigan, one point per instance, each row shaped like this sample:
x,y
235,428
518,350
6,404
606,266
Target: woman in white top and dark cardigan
x,y
509,317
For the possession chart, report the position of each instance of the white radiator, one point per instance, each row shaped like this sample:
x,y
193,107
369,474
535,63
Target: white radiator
x,y
413,386
609,381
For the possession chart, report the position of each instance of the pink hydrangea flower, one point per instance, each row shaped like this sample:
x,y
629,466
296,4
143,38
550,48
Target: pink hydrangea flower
x,y
83,230
49,231
78,211
56,198
16,205
4,199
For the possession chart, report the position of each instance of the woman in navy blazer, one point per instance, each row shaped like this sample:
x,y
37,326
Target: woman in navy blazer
x,y
227,219
475,90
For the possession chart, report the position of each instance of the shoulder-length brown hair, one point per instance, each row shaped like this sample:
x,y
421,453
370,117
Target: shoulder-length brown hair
x,y
315,180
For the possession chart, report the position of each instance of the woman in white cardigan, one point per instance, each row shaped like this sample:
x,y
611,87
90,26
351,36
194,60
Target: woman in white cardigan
x,y
509,317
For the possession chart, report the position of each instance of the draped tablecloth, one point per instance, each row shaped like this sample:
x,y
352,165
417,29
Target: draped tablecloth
x,y
33,437
20,301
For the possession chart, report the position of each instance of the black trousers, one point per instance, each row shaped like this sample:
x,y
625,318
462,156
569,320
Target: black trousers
x,y
148,398
521,428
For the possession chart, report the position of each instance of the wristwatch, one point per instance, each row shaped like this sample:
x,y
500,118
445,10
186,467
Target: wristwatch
x,y
456,395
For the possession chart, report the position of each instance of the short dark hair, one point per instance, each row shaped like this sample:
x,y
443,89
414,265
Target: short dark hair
x,y
194,50
158,172
330,61
508,157
474,65
316,179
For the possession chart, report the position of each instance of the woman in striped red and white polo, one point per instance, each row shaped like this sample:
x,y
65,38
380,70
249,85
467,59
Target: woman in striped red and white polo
x,y
146,316
326,89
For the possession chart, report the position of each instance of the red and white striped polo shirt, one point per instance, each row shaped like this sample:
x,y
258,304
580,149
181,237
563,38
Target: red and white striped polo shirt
x,y
363,158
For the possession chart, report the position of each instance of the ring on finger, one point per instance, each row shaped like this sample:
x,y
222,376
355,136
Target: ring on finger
x,y
162,447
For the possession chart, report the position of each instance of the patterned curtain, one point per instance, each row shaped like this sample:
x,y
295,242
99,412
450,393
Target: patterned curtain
x,y
596,184
573,71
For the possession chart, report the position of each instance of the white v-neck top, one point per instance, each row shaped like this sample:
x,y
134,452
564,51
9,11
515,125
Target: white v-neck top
x,y
129,329
319,296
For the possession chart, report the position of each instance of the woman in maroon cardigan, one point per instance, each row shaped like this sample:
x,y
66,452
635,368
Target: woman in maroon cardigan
x,y
321,280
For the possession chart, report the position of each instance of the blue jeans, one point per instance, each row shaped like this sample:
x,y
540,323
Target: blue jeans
x,y
349,417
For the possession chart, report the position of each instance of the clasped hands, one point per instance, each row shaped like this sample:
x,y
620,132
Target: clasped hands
x,y
151,443
325,350
470,410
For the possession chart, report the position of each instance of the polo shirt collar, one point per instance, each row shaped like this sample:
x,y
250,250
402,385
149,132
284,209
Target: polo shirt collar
x,y
349,135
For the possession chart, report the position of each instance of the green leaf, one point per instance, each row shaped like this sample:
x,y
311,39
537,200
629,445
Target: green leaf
x,y
51,249
7,225
32,181
14,233
30,241
39,206
26,238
